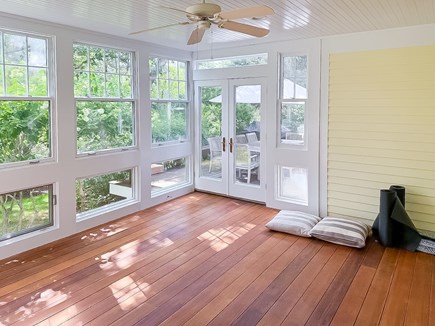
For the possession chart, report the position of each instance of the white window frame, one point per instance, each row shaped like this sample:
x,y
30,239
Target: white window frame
x,y
50,98
132,100
169,100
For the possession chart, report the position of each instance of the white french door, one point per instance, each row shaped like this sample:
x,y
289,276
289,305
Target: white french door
x,y
230,150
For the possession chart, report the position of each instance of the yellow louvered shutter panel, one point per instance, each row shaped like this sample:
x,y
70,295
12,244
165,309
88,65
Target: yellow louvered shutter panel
x,y
381,131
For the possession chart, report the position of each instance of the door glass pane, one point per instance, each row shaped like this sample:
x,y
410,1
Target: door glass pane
x,y
211,131
293,185
247,134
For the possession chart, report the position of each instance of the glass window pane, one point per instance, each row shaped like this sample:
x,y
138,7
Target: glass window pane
x,y
163,68
112,85
81,84
97,82
103,190
182,73
173,70
295,77
38,82
104,125
125,63
293,123
2,88
293,185
211,131
237,61
182,90
1,47
154,85
37,51
168,175
112,61
24,130
96,59
15,49
80,55
126,87
173,90
169,121
163,89
25,211
16,80
153,66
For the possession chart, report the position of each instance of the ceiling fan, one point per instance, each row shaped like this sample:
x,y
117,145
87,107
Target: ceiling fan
x,y
207,14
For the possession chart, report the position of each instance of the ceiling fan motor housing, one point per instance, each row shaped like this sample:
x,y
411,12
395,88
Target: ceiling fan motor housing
x,y
204,10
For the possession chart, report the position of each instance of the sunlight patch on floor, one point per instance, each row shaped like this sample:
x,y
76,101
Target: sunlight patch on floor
x,y
127,293
221,238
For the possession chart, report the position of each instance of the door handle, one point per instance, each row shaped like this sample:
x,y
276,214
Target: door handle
x,y
231,145
224,144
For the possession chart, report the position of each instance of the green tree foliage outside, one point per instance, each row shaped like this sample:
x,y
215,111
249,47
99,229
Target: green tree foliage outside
x,y
169,106
22,210
92,193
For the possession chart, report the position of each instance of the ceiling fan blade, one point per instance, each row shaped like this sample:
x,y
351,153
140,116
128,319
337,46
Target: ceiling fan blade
x,y
159,27
196,36
256,11
244,28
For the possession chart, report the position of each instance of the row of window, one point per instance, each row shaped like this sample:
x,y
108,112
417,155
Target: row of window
x,y
104,90
31,209
105,104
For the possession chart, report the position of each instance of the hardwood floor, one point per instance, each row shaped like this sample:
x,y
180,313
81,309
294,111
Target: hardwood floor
x,y
208,260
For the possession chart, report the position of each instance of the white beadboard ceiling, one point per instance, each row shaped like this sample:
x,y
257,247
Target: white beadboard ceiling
x,y
293,19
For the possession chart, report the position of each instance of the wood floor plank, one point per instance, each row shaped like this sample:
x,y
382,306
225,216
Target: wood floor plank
x,y
397,302
245,245
109,269
259,260
376,297
27,260
280,308
301,312
148,262
432,296
246,287
232,312
354,298
419,298
328,305
205,259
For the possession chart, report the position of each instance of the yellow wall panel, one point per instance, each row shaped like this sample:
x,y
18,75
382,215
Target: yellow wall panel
x,y
381,131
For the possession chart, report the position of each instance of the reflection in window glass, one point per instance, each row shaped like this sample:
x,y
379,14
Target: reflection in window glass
x,y
168,175
293,185
168,82
26,210
24,69
292,122
103,191
169,121
293,99
103,87
230,62
24,130
25,120
104,125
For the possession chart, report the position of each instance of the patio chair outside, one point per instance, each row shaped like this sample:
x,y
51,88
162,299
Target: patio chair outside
x,y
215,150
246,162
252,137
